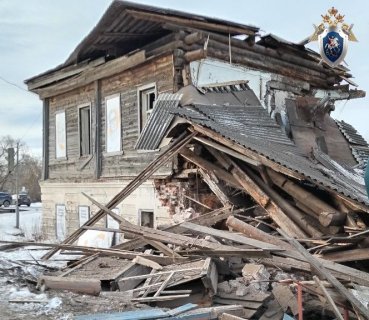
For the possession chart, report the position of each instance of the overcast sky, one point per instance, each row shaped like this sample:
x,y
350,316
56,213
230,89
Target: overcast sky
x,y
37,35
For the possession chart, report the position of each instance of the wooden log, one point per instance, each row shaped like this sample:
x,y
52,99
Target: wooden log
x,y
263,199
327,215
195,55
347,255
85,286
293,213
324,273
328,297
193,38
255,233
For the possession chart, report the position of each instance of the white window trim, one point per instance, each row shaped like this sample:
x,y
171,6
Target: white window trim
x,y
139,107
116,152
81,106
146,210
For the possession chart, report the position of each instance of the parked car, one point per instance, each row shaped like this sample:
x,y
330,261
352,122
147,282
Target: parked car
x,y
5,199
23,198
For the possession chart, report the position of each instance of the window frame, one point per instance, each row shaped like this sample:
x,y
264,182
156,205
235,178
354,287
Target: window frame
x,y
82,106
140,90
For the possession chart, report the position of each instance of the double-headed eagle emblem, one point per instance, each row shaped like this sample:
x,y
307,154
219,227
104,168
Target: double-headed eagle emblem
x,y
332,35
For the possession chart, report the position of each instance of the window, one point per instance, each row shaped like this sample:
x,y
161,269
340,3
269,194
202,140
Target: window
x,y
60,222
84,214
113,124
84,131
60,135
146,218
146,99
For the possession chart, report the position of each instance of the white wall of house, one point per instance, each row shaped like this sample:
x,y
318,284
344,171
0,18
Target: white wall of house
x,y
70,195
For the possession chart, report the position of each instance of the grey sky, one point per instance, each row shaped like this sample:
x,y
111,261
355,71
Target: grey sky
x,y
37,35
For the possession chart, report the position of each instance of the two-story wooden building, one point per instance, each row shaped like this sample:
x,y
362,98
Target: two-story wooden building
x,y
96,104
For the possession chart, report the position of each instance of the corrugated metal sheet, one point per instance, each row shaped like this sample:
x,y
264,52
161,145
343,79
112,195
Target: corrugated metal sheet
x,y
274,148
159,121
359,147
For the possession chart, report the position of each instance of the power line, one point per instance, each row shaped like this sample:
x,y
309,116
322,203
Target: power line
x,y
14,85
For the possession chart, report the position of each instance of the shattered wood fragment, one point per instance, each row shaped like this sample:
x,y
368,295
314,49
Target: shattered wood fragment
x,y
329,298
324,273
285,298
227,316
209,276
147,263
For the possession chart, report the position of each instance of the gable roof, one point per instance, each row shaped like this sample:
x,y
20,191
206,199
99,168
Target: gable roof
x,y
126,24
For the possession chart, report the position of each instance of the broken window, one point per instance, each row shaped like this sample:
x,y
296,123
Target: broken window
x,y
146,99
85,131
146,218
113,124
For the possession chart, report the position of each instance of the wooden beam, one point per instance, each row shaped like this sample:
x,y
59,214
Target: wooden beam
x,y
86,286
347,255
207,165
185,241
198,202
98,130
325,274
215,186
45,138
190,22
90,75
163,158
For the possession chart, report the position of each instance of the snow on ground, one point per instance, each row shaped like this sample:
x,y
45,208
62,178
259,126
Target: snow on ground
x,y
16,299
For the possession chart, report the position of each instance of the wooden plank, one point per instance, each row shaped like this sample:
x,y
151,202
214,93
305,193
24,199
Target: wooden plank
x,y
209,218
161,298
164,284
329,298
86,286
227,316
163,248
209,276
80,265
163,158
215,186
184,241
131,270
45,138
147,263
347,255
230,236
88,76
324,273
198,202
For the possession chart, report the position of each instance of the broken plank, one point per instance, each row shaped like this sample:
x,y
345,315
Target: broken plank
x,y
347,255
329,298
161,298
324,273
184,241
147,263
229,236
227,316
164,284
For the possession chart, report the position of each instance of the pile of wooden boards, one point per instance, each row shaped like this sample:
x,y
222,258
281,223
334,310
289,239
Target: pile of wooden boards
x,y
285,260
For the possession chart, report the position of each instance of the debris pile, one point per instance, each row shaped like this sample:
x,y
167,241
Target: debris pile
x,y
273,250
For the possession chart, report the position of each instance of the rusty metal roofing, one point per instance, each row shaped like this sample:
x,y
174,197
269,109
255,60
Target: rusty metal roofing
x,y
358,145
158,122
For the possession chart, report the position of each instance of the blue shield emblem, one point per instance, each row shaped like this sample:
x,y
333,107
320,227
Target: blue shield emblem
x,y
333,46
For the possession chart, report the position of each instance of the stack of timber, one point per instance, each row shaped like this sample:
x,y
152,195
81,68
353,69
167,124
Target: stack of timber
x,y
289,247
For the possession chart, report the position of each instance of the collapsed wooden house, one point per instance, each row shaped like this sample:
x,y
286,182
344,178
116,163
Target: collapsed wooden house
x,y
255,112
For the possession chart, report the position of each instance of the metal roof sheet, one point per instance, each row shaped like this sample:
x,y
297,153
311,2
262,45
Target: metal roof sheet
x,y
158,122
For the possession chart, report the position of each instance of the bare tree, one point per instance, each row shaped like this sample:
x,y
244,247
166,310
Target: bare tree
x,y
29,169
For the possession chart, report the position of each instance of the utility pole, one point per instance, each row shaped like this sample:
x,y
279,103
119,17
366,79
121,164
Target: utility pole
x,y
16,189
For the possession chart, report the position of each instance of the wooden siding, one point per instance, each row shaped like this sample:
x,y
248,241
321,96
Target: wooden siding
x,y
130,163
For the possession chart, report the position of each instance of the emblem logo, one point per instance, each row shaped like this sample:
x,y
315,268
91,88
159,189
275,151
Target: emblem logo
x,y
333,35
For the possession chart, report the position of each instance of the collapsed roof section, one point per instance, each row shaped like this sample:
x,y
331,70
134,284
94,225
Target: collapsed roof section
x,y
250,128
